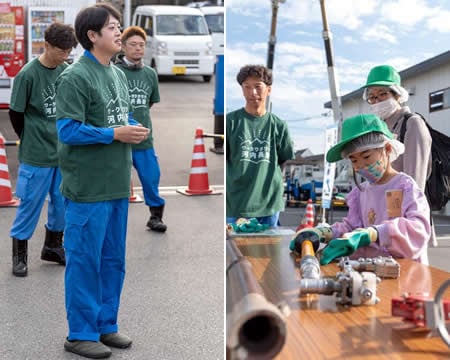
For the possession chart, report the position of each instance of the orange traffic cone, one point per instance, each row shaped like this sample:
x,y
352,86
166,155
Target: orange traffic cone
x,y
6,198
134,198
309,213
308,220
198,179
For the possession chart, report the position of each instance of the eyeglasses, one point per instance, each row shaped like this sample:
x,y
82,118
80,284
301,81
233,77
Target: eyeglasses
x,y
113,26
381,96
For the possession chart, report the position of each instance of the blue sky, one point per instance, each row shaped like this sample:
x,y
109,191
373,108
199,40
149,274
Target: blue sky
x,y
365,33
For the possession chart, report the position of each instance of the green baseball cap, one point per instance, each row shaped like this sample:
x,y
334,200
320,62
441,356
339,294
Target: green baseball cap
x,y
383,75
353,128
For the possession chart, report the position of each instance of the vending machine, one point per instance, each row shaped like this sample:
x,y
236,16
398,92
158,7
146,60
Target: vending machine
x,y
39,19
12,48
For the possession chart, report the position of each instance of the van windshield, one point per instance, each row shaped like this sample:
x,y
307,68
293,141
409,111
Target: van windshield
x,y
215,22
181,25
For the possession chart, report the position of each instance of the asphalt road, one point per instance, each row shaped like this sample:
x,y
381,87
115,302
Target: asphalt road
x,y
173,298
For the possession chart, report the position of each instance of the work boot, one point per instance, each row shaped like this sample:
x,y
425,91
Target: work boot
x,y
53,249
19,257
155,222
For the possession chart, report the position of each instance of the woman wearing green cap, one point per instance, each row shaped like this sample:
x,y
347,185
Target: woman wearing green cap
x,y
388,213
387,99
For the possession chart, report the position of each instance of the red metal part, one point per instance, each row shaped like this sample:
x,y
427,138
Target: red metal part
x,y
413,308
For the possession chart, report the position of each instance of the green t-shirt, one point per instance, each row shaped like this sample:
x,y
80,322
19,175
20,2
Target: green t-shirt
x,y
33,94
255,148
143,89
96,95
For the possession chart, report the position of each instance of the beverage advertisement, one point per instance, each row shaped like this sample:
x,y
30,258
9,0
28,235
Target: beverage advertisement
x,y
39,19
12,48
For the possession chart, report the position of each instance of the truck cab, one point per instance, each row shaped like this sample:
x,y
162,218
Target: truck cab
x,y
178,40
214,16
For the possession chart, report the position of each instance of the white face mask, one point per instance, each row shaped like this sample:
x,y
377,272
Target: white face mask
x,y
385,108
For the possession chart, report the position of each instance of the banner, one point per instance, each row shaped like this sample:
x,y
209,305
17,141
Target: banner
x,y
329,169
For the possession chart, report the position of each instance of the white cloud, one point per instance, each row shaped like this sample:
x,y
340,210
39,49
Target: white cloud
x,y
439,21
292,99
349,40
241,54
345,13
250,8
370,32
304,53
379,32
348,14
405,12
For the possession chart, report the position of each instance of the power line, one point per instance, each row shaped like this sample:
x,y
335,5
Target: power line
x,y
311,117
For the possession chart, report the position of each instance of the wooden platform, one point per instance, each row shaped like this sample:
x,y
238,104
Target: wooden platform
x,y
320,329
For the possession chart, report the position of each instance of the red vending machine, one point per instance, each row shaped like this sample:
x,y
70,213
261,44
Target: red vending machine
x,y
12,48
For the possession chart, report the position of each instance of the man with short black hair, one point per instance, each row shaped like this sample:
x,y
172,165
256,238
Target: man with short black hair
x,y
257,146
33,117
96,132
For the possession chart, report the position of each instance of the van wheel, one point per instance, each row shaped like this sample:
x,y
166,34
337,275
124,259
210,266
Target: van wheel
x,y
207,78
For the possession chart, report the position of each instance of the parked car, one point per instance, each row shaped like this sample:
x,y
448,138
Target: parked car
x,y
178,40
214,16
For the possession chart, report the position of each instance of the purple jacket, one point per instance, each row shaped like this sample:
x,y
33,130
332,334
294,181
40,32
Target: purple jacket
x,y
402,234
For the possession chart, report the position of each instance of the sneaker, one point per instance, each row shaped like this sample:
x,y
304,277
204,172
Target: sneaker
x,y
116,340
89,349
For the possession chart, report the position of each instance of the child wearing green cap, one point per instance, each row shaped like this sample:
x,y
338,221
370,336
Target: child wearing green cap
x,y
388,214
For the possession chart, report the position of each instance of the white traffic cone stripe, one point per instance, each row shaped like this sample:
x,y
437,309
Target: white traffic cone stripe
x,y
4,167
5,182
2,152
198,141
197,156
199,170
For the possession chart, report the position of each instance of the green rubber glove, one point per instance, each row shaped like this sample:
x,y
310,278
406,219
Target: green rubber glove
x,y
250,225
322,232
348,244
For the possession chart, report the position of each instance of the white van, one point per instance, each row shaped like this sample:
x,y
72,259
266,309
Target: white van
x,y
178,40
214,16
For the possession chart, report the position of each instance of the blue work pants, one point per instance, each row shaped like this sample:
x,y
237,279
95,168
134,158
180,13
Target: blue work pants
x,y
147,167
94,243
32,187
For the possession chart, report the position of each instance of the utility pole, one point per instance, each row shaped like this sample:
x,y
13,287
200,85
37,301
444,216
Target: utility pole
x,y
333,134
272,41
126,13
333,82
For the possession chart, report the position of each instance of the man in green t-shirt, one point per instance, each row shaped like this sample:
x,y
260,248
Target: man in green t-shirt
x,y
95,133
257,145
32,115
144,92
